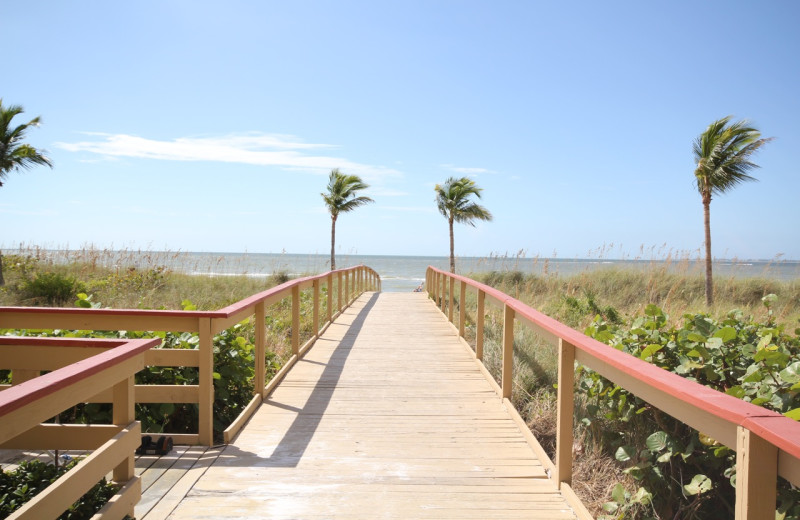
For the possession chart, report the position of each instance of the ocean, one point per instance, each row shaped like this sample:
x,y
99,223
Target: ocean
x,y
400,273
404,273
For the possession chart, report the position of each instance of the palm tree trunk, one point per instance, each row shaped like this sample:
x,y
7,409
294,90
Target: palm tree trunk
x,y
452,248
333,243
707,225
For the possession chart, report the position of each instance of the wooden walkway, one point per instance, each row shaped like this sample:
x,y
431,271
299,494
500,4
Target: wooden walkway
x,y
387,416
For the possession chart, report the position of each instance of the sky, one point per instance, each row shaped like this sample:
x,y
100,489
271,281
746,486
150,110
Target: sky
x,y
212,126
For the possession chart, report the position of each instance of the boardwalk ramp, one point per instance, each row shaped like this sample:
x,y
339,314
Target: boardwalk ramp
x,y
387,416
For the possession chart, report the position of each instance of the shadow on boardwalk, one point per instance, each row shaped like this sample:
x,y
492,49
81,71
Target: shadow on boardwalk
x,y
290,449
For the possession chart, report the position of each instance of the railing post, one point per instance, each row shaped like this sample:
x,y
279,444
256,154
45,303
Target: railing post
x,y
205,428
330,297
296,319
566,406
442,300
479,324
123,413
339,290
450,299
508,350
261,350
316,307
462,309
756,476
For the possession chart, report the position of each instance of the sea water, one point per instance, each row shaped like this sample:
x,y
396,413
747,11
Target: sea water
x,y
405,273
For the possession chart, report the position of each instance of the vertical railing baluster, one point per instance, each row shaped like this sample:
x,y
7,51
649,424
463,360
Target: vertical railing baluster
x,y
565,410
296,319
261,349
339,291
316,307
508,350
462,309
206,372
123,413
450,299
756,476
443,301
480,318
330,297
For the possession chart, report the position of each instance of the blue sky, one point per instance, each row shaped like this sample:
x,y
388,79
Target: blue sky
x,y
211,126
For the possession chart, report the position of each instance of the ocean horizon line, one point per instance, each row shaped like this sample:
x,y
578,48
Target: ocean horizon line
x,y
679,256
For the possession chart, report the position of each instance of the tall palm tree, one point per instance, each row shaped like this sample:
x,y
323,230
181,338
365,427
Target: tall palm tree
x,y
14,154
723,155
342,197
453,201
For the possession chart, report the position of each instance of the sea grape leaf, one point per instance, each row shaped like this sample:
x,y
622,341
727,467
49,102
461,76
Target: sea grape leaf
x,y
700,484
625,453
791,374
793,414
657,441
649,350
736,391
726,334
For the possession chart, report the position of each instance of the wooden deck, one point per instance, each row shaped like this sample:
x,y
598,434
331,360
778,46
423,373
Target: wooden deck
x,y
387,416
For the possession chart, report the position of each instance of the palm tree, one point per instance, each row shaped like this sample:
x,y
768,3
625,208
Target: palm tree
x,y
340,198
723,154
14,154
453,201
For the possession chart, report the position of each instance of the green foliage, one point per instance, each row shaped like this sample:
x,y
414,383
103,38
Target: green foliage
x,y
234,368
51,288
22,484
576,309
689,474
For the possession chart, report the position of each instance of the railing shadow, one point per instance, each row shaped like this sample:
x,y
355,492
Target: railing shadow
x,y
295,441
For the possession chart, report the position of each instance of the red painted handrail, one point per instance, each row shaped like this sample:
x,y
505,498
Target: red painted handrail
x,y
40,387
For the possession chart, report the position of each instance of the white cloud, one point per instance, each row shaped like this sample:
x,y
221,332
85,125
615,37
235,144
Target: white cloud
x,y
257,149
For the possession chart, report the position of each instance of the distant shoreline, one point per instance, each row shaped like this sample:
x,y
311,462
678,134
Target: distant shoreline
x,y
402,273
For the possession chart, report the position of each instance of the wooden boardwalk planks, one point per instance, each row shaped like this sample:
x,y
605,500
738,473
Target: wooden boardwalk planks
x,y
387,416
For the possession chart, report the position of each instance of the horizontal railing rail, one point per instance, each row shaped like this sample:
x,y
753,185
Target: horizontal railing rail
x,y
767,443
28,404
343,286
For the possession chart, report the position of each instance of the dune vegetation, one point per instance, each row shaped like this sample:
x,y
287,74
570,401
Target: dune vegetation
x,y
631,461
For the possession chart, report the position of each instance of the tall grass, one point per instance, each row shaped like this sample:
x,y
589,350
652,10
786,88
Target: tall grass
x,y
129,278
617,294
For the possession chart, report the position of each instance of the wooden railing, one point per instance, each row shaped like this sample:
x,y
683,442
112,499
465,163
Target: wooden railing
x,y
343,286
767,444
27,404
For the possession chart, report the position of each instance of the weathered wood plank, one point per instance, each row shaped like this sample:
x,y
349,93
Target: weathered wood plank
x,y
387,416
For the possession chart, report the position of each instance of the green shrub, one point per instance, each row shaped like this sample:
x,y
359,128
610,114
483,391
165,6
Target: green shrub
x,y
22,484
682,473
51,288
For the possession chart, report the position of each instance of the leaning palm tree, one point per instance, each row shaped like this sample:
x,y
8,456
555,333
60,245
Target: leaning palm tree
x,y
341,197
14,154
453,201
723,155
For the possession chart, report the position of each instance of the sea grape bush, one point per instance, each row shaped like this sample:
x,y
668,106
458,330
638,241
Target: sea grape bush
x,y
683,473
234,368
23,483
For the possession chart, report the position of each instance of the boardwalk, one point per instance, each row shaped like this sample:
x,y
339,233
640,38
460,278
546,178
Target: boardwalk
x,y
386,417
